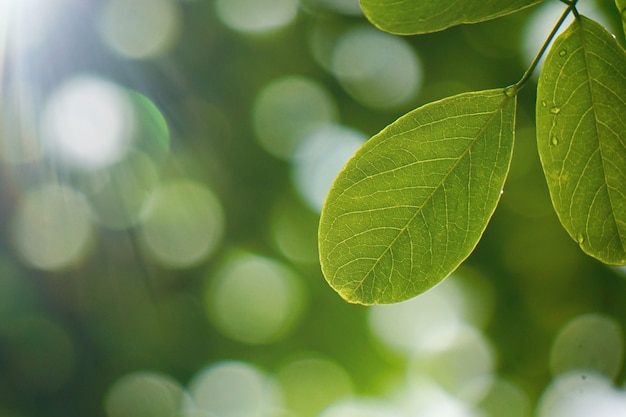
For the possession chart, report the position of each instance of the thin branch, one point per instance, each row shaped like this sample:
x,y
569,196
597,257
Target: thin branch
x,y
514,89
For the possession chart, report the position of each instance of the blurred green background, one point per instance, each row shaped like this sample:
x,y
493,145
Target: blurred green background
x,y
162,168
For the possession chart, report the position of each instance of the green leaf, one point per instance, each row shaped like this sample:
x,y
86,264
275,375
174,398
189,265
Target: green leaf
x,y
581,135
413,202
410,17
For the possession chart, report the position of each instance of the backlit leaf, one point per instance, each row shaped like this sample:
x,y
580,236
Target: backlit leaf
x,y
413,202
409,17
581,134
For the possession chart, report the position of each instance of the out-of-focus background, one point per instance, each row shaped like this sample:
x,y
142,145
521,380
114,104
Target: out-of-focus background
x,y
162,168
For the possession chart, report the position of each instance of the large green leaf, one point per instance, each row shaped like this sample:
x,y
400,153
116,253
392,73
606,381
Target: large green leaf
x,y
581,134
413,202
410,17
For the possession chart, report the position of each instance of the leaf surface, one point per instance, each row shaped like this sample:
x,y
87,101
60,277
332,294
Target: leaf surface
x,y
410,17
413,202
581,136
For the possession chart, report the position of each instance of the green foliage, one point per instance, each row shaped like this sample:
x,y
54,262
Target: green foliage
x,y
580,134
410,17
413,202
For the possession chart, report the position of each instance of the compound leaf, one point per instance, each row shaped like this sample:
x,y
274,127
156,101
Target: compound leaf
x,y
581,135
413,202
410,17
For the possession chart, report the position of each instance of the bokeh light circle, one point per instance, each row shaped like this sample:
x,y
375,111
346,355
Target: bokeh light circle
x,y
143,394
140,29
253,299
119,193
182,223
506,398
311,384
88,122
581,394
234,389
361,407
430,321
152,127
319,158
256,16
423,397
287,109
589,342
449,367
361,62
52,227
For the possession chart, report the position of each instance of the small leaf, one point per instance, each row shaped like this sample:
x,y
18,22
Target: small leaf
x,y
581,135
413,202
411,17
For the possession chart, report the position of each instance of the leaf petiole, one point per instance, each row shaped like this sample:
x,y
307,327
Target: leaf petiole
x,y
514,89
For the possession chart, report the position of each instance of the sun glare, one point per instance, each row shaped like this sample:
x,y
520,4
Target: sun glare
x,y
28,23
6,8
6,11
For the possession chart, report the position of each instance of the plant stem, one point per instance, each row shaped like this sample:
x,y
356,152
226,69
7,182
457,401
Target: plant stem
x,y
512,90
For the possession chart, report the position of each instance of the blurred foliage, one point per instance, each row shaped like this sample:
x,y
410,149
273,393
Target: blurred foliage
x,y
107,288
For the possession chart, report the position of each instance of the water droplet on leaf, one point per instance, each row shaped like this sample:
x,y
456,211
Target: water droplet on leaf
x,y
554,140
580,238
562,52
555,110
544,103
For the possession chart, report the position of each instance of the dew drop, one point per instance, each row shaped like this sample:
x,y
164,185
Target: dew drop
x,y
555,110
543,103
562,52
580,238
554,140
